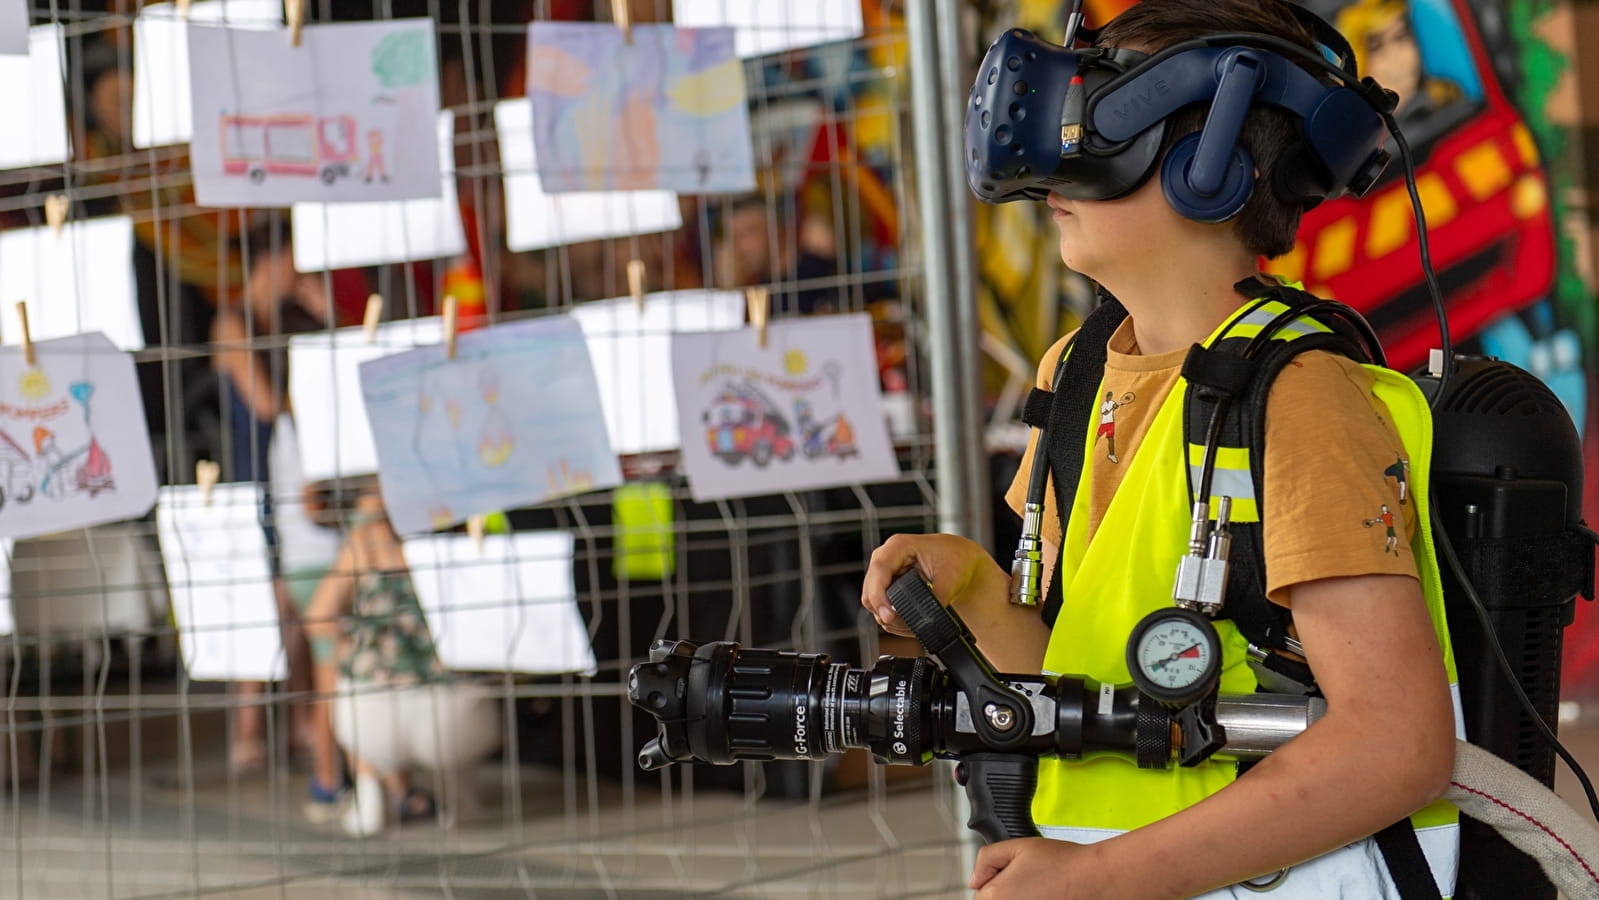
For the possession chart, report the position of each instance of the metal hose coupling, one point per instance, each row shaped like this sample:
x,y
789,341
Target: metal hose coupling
x,y
1027,568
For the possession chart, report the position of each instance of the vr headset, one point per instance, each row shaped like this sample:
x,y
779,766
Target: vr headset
x,y
1089,122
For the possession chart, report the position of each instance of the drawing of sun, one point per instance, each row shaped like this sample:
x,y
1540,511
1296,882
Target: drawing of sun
x,y
795,362
34,385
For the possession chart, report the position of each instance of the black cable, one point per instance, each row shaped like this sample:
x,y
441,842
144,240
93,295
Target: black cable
x,y
1447,550
1446,369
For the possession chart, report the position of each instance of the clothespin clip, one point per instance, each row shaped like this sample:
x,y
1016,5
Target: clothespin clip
x,y
183,8
623,17
206,473
294,14
373,315
476,526
635,282
758,301
449,326
27,337
55,212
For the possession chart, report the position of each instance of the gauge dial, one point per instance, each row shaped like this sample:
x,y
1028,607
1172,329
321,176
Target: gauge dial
x,y
1174,656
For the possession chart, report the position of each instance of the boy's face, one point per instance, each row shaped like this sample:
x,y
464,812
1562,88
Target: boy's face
x,y
1102,237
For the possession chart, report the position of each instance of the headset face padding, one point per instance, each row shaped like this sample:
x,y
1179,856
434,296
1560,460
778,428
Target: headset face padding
x,y
1021,114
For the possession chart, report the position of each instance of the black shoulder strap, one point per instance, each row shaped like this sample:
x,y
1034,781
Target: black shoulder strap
x,y
1407,864
1070,405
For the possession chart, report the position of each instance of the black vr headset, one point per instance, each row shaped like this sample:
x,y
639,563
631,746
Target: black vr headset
x,y
1089,123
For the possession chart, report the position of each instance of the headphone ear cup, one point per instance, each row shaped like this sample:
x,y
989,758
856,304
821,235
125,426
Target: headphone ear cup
x,y
1219,207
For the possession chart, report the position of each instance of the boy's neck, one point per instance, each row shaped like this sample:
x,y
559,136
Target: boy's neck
x,y
1173,307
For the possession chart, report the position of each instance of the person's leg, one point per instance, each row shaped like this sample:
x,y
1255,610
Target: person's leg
x,y
297,652
247,748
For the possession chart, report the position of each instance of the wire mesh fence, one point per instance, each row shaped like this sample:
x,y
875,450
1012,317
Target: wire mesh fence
x,y
125,775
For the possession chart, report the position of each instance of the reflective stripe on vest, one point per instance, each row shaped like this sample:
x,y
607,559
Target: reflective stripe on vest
x,y
1127,572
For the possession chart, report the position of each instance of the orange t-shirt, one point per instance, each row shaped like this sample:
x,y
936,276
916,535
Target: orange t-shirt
x,y
1337,501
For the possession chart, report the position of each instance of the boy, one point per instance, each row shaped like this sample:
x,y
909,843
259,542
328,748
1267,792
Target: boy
x,y
1386,745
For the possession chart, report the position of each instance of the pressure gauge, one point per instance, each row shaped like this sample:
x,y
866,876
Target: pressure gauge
x,y
1174,655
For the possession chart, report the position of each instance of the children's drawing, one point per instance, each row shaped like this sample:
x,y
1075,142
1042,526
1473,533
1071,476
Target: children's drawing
x,y
507,606
511,421
13,27
536,219
666,111
75,281
32,104
344,117
804,412
345,235
763,27
325,391
222,597
161,104
632,355
74,448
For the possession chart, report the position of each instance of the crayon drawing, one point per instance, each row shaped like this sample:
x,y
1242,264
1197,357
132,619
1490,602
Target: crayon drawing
x,y
74,447
804,412
510,421
222,597
509,605
666,111
347,116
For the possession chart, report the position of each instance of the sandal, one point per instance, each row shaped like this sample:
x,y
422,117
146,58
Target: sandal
x,y
416,806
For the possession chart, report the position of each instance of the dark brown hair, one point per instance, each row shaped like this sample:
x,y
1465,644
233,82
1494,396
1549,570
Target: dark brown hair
x,y
1267,224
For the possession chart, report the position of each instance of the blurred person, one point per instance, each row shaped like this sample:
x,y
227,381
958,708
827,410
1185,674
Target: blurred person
x,y
251,361
762,245
393,707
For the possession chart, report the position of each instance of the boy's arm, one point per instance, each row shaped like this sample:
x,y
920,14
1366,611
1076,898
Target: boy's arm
x,y
966,578
1384,749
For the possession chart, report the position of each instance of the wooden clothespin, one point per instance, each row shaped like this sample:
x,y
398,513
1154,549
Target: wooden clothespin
x,y
635,282
373,315
206,473
27,337
449,326
623,17
183,8
476,526
55,212
294,14
758,301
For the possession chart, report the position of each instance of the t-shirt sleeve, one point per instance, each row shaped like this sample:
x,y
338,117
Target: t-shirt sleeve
x,y
1337,499
1016,497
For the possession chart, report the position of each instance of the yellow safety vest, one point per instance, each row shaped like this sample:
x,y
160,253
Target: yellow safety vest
x,y
1126,572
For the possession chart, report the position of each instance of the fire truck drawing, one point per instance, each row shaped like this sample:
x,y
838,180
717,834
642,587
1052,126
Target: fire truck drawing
x,y
296,144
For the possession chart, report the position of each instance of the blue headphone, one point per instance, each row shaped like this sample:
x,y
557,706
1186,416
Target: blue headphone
x,y
1089,123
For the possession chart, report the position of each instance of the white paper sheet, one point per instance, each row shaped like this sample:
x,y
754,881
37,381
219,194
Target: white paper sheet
x,y
74,446
536,219
509,422
666,111
347,235
32,103
348,116
510,607
14,27
79,280
633,359
763,27
803,412
325,390
222,596
161,104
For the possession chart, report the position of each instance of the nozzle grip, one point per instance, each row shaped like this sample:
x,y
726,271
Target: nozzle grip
x,y
999,787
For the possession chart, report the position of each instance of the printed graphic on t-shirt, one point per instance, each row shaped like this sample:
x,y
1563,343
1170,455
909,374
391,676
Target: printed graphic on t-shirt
x,y
1107,422
1400,472
1386,520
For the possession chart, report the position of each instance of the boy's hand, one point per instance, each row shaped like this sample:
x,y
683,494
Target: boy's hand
x,y
1040,868
953,565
